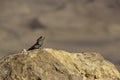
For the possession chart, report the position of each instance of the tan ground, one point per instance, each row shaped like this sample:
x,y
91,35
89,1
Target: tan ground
x,y
72,25
51,64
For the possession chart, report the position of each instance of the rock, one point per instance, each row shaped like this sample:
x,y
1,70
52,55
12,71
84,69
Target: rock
x,y
50,64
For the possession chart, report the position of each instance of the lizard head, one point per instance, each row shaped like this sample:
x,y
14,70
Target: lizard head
x,y
41,39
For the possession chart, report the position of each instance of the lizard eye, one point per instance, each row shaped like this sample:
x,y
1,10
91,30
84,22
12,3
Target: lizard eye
x,y
40,37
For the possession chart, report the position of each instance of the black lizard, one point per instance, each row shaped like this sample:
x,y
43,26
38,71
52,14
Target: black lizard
x,y
38,44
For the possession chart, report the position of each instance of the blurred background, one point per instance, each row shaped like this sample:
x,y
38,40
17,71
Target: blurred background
x,y
71,25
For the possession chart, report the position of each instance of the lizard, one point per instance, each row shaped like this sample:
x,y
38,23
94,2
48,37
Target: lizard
x,y
38,43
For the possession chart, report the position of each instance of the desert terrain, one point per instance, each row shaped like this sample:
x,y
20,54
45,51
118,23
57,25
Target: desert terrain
x,y
71,25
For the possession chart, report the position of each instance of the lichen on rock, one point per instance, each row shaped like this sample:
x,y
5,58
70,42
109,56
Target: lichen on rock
x,y
50,64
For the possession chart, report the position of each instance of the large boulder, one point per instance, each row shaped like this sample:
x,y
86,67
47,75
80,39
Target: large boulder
x,y
50,64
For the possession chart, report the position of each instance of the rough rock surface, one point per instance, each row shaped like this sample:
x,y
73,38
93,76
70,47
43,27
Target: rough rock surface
x,y
50,64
